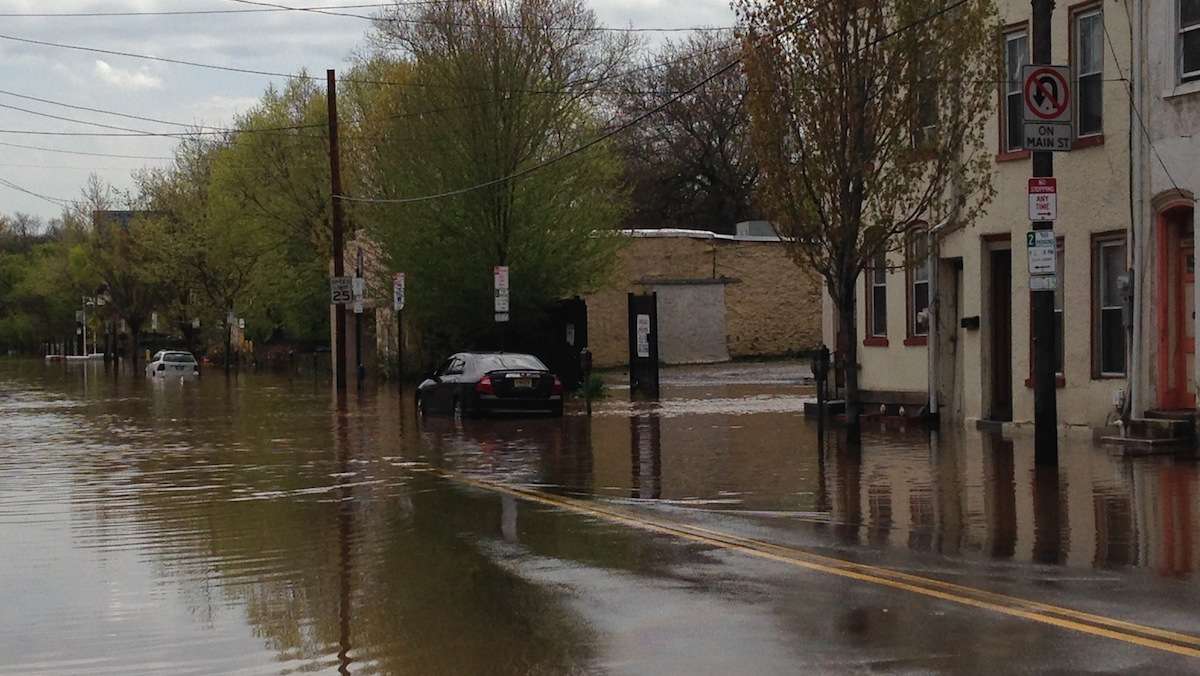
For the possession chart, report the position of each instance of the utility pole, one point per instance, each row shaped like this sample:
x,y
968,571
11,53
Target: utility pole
x,y
335,180
1045,404
361,369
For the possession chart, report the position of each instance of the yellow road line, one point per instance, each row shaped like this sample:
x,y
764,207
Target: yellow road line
x,y
1065,618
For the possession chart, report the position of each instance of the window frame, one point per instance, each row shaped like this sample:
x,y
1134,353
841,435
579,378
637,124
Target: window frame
x,y
1183,77
870,283
1005,152
917,232
1077,14
1100,241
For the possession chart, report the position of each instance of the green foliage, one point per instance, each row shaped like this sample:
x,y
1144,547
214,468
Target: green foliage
x,y
593,388
497,103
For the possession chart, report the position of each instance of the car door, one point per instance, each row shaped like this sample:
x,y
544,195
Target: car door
x,y
450,383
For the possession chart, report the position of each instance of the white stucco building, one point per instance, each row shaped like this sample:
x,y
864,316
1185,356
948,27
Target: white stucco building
x,y
961,321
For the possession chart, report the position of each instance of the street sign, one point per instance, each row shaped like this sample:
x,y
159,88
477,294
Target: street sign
x,y
242,323
358,307
79,316
1055,138
1047,115
1043,283
1047,93
196,323
1043,250
398,291
643,336
341,290
153,321
501,286
1043,199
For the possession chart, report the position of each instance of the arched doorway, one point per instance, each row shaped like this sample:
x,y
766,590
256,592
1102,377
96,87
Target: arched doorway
x,y
1176,304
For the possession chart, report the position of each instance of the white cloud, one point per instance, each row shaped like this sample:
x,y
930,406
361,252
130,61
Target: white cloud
x,y
126,79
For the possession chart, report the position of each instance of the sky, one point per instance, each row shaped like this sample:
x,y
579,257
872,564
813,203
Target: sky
x,y
278,41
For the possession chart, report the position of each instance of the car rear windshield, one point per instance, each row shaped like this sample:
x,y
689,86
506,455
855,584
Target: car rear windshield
x,y
179,358
509,362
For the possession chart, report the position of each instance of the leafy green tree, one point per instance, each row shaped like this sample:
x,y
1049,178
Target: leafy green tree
x,y
497,88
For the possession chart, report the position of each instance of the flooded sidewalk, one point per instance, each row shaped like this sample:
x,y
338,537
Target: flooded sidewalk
x,y
251,525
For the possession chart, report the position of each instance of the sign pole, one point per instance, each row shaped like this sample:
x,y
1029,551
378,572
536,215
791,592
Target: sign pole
x,y
398,298
1045,405
338,218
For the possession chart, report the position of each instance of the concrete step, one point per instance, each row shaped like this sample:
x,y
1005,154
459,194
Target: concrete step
x,y
1161,428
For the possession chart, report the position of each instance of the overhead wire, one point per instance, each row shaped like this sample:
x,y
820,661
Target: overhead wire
x,y
431,22
64,151
195,12
638,119
53,200
1133,106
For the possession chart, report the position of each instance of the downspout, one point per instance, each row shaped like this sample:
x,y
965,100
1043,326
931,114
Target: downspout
x,y
1136,401
935,315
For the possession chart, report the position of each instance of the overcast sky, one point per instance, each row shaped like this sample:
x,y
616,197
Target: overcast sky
x,y
281,42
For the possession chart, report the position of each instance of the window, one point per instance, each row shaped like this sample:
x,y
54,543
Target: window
x,y
1089,70
917,275
1016,54
1189,40
1108,334
877,299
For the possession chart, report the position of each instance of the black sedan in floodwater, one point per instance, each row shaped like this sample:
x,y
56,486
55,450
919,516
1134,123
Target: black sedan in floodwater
x,y
477,383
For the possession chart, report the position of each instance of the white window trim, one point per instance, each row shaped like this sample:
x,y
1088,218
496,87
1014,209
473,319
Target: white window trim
x,y
1078,18
1101,245
875,284
1180,75
1015,34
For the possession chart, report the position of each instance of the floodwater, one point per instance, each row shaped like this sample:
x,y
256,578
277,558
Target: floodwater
x,y
250,525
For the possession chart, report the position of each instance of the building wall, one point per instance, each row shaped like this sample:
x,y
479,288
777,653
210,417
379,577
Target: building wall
x,y
771,307
1168,159
1093,197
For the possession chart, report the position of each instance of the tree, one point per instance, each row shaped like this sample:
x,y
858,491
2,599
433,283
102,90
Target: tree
x,y
867,119
691,165
498,87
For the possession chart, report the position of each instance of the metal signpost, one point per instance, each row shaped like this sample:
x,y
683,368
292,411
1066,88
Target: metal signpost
x,y
500,275
1047,117
398,306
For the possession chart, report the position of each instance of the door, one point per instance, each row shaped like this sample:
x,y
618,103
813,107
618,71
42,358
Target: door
x,y
1185,359
1000,323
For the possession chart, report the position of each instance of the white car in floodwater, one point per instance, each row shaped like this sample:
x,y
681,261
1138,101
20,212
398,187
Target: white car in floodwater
x,y
169,363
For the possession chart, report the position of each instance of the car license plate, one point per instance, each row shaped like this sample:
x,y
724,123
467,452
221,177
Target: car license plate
x,y
523,383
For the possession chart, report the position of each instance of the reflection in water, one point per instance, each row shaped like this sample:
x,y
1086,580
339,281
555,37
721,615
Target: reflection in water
x,y
250,521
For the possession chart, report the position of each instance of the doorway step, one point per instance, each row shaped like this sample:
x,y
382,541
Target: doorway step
x,y
1167,431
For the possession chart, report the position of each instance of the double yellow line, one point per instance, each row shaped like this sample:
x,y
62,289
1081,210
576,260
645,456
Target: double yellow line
x,y
1064,618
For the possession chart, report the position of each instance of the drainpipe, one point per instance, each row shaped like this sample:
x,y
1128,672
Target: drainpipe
x,y
1138,245
935,314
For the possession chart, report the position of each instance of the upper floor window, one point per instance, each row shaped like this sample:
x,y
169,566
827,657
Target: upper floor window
x,y
1088,30
1016,55
1189,40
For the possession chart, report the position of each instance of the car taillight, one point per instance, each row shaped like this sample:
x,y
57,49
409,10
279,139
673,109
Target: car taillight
x,y
484,386
557,388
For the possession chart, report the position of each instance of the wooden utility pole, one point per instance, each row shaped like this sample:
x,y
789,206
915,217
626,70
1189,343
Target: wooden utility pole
x,y
1045,404
339,270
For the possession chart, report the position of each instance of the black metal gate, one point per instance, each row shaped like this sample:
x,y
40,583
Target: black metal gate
x,y
566,338
643,345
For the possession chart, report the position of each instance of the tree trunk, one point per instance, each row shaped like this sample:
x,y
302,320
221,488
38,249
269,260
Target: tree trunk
x,y
848,330
135,339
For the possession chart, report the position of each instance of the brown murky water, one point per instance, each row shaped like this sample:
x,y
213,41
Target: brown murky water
x,y
250,526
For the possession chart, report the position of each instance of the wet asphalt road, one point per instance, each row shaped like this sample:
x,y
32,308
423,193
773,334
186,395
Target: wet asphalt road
x,y
250,526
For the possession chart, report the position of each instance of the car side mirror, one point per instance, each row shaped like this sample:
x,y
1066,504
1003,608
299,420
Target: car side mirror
x,y
162,367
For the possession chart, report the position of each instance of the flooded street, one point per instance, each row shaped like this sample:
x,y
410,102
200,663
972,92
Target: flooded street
x,y
250,526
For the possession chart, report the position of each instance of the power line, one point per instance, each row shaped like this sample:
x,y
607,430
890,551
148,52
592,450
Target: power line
x,y
84,153
645,115
58,201
454,24
1133,106
192,12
